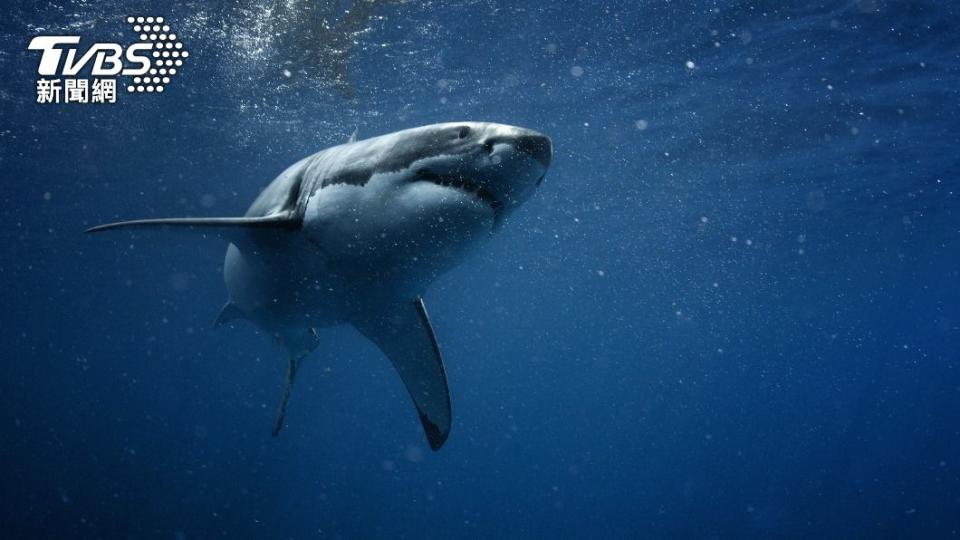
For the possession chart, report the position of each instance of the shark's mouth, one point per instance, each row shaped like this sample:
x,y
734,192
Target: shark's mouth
x,y
461,184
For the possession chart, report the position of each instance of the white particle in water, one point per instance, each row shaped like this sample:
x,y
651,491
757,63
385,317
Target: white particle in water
x,y
576,71
690,64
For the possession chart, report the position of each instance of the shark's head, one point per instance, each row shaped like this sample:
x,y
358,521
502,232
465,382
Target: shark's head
x,y
425,193
492,168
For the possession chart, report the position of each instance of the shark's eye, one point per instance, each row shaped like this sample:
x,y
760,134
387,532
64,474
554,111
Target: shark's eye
x,y
463,132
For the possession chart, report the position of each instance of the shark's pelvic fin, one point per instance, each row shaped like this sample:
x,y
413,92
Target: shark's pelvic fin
x,y
292,368
298,349
229,312
353,137
403,332
282,220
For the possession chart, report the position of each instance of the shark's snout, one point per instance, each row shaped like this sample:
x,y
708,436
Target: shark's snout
x,y
537,146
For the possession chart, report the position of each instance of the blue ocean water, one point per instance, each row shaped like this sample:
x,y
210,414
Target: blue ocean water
x,y
731,311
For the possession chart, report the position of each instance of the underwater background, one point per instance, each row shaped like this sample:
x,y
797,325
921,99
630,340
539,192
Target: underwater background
x,y
731,311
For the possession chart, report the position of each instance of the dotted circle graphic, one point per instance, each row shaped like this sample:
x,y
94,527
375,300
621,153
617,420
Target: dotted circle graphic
x,y
168,51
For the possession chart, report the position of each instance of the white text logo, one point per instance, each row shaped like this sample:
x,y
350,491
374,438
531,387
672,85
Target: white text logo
x,y
150,63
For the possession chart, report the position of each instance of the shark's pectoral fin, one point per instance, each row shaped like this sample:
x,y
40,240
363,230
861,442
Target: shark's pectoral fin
x,y
402,331
228,228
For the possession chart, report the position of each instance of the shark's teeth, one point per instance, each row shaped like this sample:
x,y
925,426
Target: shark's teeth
x,y
462,184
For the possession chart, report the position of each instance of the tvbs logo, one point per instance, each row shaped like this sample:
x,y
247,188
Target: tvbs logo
x,y
150,64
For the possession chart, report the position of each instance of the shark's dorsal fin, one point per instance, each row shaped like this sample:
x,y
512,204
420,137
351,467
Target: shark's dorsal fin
x,y
403,332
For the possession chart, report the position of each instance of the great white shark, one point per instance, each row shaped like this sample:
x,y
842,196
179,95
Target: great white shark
x,y
356,233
